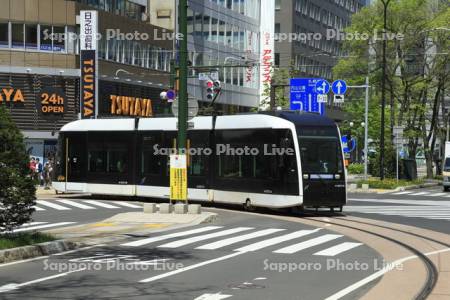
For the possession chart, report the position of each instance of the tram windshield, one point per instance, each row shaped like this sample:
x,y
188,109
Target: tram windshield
x,y
320,152
320,155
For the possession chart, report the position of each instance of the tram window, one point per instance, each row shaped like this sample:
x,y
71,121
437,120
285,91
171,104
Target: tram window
x,y
319,155
151,162
230,166
97,161
117,161
196,165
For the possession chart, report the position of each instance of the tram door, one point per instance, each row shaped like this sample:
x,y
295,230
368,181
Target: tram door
x,y
76,157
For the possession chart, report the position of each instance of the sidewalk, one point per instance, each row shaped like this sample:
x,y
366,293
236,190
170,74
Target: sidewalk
x,y
137,223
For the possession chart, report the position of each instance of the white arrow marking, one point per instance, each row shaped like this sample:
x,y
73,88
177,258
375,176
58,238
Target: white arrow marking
x,y
218,296
14,286
324,87
339,86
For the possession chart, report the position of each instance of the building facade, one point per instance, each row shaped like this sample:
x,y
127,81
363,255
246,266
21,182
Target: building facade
x,y
40,64
221,33
316,25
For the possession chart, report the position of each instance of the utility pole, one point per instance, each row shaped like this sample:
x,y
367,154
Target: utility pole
x,y
183,76
383,87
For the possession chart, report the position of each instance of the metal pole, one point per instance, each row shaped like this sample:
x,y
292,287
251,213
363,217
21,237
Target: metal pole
x,y
183,67
366,128
383,88
396,154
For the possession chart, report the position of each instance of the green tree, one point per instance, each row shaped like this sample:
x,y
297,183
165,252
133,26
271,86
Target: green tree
x,y
17,190
417,68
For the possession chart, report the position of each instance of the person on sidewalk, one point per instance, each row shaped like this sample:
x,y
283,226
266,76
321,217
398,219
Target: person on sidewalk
x,y
39,171
47,175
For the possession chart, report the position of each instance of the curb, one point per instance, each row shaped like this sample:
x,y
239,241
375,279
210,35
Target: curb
x,y
58,246
398,189
43,249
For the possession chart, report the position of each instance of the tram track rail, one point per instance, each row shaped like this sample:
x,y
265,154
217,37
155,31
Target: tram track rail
x,y
432,271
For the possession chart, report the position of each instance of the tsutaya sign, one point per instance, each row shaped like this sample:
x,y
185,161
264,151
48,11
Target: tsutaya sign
x,y
131,106
9,95
88,63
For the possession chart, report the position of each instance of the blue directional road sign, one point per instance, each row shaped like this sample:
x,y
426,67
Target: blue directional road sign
x,y
345,147
339,87
322,87
304,95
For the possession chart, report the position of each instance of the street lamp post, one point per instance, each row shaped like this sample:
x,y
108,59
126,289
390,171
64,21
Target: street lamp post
x,y
383,87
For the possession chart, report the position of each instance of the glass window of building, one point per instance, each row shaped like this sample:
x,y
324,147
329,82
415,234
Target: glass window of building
x,y
46,37
214,30
17,35
207,28
190,21
221,32
229,37
31,37
59,41
4,35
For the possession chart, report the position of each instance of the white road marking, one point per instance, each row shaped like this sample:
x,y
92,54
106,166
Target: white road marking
x,y
233,240
126,204
52,205
437,194
277,240
101,204
169,236
208,262
419,194
14,286
37,208
338,249
218,296
43,226
76,204
378,274
308,244
405,201
32,224
260,278
195,239
402,193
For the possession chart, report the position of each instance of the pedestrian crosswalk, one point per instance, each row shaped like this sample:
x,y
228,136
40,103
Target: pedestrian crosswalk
x,y
66,204
33,226
433,212
249,239
426,193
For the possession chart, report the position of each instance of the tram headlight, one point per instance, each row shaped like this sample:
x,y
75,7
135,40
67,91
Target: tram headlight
x,y
305,176
337,176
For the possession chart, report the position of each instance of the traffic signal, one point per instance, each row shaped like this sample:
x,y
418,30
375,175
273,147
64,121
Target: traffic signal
x,y
213,88
209,90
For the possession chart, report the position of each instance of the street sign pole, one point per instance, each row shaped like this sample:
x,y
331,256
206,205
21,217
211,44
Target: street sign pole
x,y
366,127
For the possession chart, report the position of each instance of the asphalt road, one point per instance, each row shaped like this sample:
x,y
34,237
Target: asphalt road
x,y
240,256
426,208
